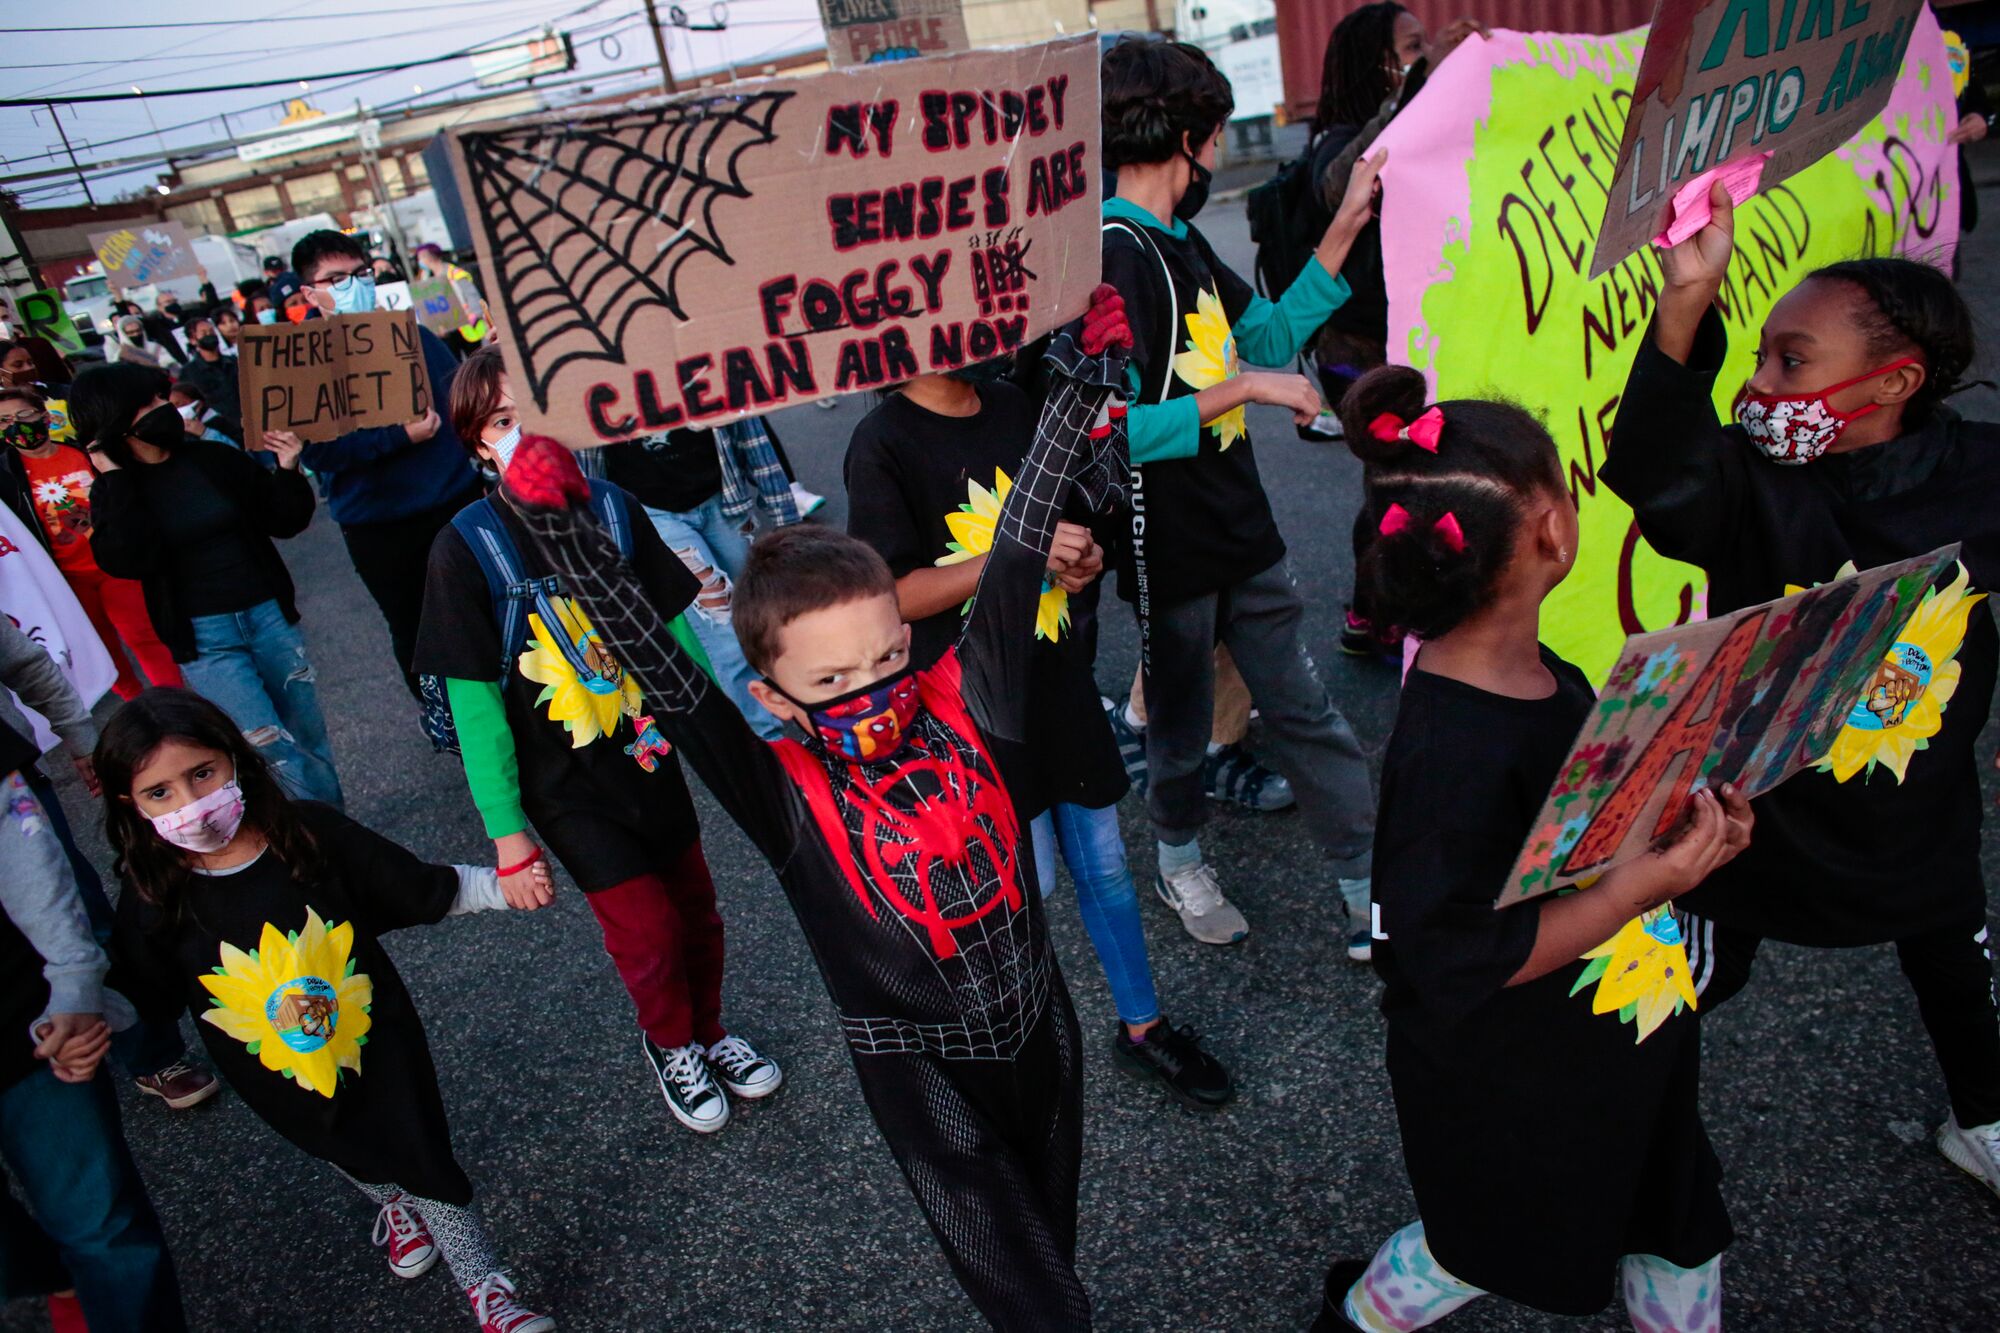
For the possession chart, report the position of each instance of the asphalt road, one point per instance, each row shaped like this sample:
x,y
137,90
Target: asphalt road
x,y
1820,1091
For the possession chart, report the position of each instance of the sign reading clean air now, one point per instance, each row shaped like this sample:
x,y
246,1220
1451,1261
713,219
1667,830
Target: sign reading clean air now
x,y
700,258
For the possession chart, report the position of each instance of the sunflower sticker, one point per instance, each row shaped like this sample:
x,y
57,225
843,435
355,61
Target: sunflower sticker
x,y
971,526
582,684
295,1002
1903,705
1641,973
1210,359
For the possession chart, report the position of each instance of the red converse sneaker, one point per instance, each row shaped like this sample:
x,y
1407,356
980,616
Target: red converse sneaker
x,y
494,1306
412,1252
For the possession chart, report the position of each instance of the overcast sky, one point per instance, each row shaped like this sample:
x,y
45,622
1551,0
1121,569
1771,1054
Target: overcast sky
x,y
313,40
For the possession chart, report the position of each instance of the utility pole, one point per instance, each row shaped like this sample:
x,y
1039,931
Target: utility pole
x,y
667,83
81,179
369,134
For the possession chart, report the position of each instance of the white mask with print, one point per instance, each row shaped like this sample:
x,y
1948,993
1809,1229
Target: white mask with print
x,y
504,447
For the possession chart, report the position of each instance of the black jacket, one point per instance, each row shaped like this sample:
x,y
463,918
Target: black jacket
x,y
217,382
126,540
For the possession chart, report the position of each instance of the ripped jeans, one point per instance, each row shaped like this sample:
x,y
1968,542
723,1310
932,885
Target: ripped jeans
x,y
253,666
714,549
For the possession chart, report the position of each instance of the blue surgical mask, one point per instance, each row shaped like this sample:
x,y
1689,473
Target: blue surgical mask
x,y
504,447
267,317
354,295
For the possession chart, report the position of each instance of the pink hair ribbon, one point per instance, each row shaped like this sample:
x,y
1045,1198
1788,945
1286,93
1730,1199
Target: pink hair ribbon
x,y
1424,432
1394,520
1454,536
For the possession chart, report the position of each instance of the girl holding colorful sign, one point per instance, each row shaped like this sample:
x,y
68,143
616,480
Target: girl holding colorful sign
x,y
1602,1170
1844,454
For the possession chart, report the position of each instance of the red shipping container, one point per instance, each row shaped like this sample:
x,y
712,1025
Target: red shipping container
x,y
1304,26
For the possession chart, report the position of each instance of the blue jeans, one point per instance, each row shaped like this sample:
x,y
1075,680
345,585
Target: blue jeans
x,y
253,666
713,540
92,1225
1094,850
146,1047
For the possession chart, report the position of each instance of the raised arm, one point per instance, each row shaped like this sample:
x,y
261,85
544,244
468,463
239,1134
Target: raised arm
x,y
1080,439
545,487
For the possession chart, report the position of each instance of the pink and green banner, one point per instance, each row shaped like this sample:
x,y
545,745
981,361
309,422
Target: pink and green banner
x,y
1495,190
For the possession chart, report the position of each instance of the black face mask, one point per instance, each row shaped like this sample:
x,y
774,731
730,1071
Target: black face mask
x,y
162,427
1199,179
990,371
208,342
172,310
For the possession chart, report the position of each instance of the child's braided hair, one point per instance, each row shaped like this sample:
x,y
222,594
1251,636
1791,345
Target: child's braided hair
x,y
1908,305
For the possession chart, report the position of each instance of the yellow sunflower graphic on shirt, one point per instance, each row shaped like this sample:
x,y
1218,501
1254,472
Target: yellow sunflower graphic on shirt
x,y
971,526
295,1002
1641,973
1210,359
582,684
1903,706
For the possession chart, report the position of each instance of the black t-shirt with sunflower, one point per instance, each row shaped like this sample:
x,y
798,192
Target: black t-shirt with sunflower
x,y
1881,841
596,780
924,490
1207,521
298,1003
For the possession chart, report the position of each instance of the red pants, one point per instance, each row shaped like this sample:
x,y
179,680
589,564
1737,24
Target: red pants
x,y
117,610
665,938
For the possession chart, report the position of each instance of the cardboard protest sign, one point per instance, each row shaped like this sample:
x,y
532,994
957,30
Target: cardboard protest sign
x,y
325,377
1750,698
870,32
41,315
1497,176
1742,82
437,305
151,252
392,296
704,257
38,599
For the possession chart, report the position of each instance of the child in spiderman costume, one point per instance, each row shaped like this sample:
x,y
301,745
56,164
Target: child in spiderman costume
x,y
892,829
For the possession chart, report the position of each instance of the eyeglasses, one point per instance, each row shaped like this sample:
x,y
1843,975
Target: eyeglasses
x,y
28,417
332,280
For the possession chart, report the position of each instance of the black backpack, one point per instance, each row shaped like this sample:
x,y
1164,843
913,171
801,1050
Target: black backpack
x,y
1287,220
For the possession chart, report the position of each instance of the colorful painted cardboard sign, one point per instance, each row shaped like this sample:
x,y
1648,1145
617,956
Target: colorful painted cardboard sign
x,y
437,305
1750,698
871,32
148,253
1497,178
41,315
705,257
325,377
1732,81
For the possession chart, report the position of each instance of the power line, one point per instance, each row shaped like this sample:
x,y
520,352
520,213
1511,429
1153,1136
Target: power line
x,y
244,23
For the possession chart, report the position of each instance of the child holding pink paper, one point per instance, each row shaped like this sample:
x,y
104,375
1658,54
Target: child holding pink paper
x,y
1551,1154
1844,452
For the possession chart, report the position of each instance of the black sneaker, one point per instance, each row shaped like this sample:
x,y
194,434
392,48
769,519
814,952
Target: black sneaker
x,y
1131,743
1340,1279
1174,1056
1233,774
685,1082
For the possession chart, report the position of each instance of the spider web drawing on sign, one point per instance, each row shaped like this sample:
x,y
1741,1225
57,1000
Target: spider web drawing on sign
x,y
573,216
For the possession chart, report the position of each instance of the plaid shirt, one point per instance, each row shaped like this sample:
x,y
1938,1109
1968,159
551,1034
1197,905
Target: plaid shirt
x,y
752,474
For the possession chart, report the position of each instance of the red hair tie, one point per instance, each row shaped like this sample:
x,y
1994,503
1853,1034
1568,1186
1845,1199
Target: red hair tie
x,y
1424,432
1396,518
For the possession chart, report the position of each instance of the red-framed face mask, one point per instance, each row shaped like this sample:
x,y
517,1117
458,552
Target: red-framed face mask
x,y
1797,428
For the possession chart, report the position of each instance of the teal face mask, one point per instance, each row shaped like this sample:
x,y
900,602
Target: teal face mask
x,y
354,295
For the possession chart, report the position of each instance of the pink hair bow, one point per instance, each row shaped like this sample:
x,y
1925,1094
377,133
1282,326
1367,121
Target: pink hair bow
x,y
1424,432
1397,518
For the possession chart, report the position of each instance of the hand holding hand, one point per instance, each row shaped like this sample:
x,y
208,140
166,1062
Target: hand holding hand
x,y
73,1044
530,887
1069,545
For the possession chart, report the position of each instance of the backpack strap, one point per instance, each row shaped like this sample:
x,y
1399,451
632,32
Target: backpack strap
x,y
478,524
1138,233
613,514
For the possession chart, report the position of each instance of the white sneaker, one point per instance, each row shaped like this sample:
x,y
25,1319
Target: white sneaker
x,y
743,1071
691,1094
1975,1151
808,502
1360,921
1205,913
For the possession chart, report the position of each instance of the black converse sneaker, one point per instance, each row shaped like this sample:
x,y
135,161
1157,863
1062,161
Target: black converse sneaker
x,y
1175,1058
743,1071
691,1094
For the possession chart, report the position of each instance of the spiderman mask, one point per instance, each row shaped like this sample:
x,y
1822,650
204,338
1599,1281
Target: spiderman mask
x,y
867,724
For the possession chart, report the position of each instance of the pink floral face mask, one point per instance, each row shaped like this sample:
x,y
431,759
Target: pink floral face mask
x,y
1799,428
206,824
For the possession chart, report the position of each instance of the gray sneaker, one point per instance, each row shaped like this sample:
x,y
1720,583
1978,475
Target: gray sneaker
x,y
1360,920
1205,913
